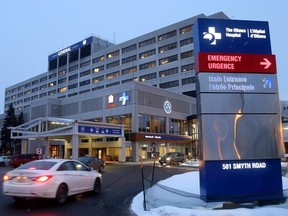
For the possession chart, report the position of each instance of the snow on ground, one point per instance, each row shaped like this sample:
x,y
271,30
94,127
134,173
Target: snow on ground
x,y
193,206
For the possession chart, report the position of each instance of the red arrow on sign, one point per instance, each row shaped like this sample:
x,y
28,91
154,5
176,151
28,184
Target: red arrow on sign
x,y
235,63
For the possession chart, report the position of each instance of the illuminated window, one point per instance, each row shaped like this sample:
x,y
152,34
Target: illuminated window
x,y
98,69
167,35
52,84
168,59
185,29
113,54
167,47
98,79
98,59
64,89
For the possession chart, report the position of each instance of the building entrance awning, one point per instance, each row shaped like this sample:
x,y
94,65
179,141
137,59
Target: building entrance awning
x,y
61,128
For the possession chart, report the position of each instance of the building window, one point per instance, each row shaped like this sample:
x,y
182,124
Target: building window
x,y
168,72
112,64
52,75
73,94
112,54
26,99
113,75
62,60
177,126
147,42
73,86
185,29
52,92
148,77
72,77
129,59
167,35
188,80
27,85
98,69
129,70
188,67
35,82
62,80
51,84
73,56
42,87
84,64
168,59
53,64
147,54
98,79
62,72
147,65
98,59
167,47
43,95
84,91
129,48
186,42
130,80
43,79
85,82
63,89
35,89
152,124
97,88
85,51
112,84
186,54
171,84
73,68
20,87
85,73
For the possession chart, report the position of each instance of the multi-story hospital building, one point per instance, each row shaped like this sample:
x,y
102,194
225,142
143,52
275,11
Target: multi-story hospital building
x,y
142,89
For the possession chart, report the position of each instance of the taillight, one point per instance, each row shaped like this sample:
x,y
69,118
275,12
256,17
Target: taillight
x,y
6,178
42,178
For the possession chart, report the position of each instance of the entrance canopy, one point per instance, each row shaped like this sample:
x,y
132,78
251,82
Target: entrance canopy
x,y
60,128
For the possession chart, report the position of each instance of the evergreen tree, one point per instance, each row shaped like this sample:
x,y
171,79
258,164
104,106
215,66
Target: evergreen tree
x,y
9,121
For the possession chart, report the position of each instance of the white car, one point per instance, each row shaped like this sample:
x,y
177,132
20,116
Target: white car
x,y
51,178
4,160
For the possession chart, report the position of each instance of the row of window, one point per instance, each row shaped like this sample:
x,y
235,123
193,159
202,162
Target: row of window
x,y
165,85
116,63
133,69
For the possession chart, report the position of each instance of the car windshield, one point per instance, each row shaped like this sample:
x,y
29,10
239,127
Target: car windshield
x,y
38,165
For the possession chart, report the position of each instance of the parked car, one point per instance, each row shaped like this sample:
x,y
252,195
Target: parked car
x,y
4,160
93,162
51,178
172,158
20,159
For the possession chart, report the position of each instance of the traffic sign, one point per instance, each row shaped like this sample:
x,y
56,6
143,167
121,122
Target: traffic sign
x,y
236,63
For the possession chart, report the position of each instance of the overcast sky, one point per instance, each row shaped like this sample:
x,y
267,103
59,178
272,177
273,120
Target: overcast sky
x,y
33,29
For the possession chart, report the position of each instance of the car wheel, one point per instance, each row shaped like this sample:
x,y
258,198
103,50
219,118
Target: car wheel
x,y
161,163
97,186
61,194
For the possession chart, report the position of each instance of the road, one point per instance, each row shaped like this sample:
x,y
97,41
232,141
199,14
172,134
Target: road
x,y
121,182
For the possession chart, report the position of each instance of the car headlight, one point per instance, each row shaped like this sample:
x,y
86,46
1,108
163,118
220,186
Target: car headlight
x,y
168,158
